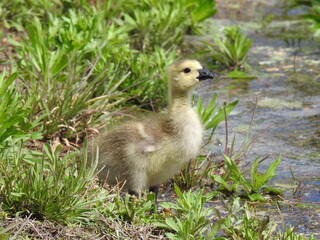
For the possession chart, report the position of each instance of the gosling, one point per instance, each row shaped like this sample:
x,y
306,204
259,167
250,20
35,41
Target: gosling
x,y
143,154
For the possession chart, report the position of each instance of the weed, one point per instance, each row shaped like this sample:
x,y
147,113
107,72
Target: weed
x,y
150,23
147,79
131,209
200,11
242,222
163,24
312,15
290,234
47,185
297,186
212,115
16,14
62,74
77,61
14,113
73,69
191,218
234,178
165,19
196,173
231,50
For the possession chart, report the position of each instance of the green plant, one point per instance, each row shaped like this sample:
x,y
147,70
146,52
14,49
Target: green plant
x,y
131,209
233,178
74,68
231,50
154,23
242,222
258,179
163,24
150,20
313,15
14,113
212,115
196,173
79,63
200,10
47,185
290,234
16,14
59,71
147,80
192,218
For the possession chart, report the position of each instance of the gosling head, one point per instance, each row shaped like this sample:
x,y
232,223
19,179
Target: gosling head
x,y
184,75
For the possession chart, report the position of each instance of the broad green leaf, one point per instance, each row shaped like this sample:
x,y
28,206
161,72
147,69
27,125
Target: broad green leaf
x,y
256,197
222,182
220,116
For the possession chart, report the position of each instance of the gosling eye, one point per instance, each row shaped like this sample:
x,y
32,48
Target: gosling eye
x,y
186,70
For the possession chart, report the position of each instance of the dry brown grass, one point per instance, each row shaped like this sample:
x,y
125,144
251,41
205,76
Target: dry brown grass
x,y
103,228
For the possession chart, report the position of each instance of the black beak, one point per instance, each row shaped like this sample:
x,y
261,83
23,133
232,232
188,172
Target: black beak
x,y
206,74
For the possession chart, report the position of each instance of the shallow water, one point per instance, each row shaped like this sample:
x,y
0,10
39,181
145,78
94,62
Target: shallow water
x,y
286,118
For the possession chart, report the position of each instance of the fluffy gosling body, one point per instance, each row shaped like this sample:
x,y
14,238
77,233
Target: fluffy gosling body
x,y
145,153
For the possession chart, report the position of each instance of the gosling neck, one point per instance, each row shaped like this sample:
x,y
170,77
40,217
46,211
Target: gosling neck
x,y
180,100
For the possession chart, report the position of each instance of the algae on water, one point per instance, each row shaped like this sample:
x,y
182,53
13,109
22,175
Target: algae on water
x,y
278,103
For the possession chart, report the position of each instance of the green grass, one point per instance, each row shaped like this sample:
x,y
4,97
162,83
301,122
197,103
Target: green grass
x,y
14,113
232,49
73,70
47,185
77,66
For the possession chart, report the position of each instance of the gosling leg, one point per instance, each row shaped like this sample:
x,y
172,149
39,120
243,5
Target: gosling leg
x,y
154,189
138,183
